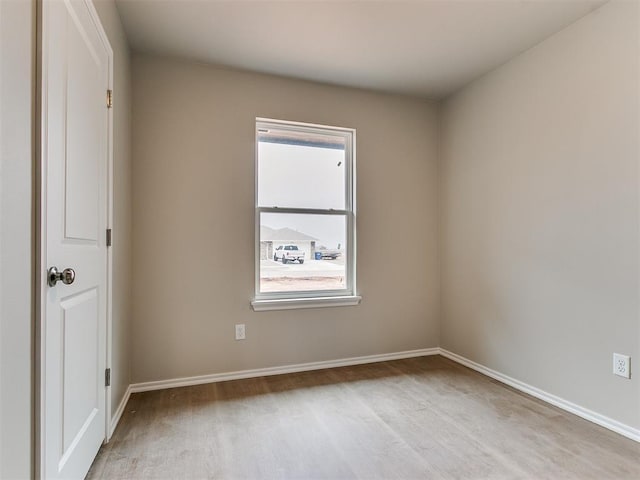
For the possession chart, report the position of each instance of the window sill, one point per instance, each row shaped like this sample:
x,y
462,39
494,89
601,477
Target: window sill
x,y
310,302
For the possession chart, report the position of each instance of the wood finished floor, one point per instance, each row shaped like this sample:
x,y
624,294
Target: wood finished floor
x,y
422,418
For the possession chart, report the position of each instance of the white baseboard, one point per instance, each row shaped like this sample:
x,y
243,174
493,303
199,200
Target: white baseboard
x,y
603,421
115,419
606,422
263,372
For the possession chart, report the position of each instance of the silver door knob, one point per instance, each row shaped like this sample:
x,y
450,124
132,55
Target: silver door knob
x,y
67,276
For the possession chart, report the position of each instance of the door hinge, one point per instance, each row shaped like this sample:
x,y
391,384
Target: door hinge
x,y
108,237
109,98
107,377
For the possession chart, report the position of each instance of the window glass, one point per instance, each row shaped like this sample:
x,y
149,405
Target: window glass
x,y
302,252
304,211
305,171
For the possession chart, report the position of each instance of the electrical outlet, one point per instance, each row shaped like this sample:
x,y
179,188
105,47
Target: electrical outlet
x,y
622,365
240,332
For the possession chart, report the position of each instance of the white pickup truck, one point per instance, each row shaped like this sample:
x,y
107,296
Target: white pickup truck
x,y
288,253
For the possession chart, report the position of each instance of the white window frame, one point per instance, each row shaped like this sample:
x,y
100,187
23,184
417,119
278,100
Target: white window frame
x,y
313,298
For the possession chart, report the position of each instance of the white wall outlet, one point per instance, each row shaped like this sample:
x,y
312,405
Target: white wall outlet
x,y
240,332
622,365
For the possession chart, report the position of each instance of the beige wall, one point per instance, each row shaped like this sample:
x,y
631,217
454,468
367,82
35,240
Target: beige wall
x,y
193,128
540,217
122,241
17,77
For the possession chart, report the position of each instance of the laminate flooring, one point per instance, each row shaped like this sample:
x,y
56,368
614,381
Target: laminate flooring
x,y
420,418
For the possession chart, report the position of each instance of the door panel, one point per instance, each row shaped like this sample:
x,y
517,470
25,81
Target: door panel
x,y
76,63
79,363
85,97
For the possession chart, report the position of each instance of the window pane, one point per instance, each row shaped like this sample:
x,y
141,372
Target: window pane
x,y
300,169
302,252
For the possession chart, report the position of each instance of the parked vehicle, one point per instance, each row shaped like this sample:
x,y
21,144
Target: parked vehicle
x,y
288,253
331,254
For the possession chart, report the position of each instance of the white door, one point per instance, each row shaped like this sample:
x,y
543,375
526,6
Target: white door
x,y
75,146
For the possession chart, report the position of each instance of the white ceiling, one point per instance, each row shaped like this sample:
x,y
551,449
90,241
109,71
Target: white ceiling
x,y
429,48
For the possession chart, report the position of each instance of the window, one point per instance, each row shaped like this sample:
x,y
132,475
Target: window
x,y
305,216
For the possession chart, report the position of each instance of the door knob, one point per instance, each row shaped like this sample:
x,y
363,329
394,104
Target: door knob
x,y
67,276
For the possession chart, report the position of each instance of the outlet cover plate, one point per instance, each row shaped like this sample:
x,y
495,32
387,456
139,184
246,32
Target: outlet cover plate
x,y
240,331
622,365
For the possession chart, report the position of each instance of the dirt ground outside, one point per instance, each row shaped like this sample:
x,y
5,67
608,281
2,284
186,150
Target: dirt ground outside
x,y
297,277
291,284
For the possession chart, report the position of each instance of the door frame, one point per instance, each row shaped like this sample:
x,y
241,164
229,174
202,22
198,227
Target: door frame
x,y
40,228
